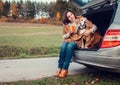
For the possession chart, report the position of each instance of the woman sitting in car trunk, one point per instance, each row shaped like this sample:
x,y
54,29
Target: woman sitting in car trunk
x,y
72,41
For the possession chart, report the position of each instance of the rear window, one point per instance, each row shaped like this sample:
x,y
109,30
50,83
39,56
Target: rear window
x,y
82,2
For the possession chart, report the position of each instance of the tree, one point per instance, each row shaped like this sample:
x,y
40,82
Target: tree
x,y
61,6
51,9
58,16
6,8
20,8
1,8
24,10
30,9
74,9
14,10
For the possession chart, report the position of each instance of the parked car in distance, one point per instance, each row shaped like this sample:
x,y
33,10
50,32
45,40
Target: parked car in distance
x,y
106,15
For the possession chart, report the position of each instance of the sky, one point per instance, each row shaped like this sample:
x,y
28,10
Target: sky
x,y
34,0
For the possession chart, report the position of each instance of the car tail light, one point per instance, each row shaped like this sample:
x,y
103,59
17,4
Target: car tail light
x,y
111,39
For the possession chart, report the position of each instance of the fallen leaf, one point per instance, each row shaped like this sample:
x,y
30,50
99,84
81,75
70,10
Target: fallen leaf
x,y
86,83
93,82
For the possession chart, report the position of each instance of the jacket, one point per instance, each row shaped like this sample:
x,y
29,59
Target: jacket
x,y
75,37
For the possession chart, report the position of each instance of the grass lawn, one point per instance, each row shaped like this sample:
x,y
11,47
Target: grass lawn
x,y
22,35
96,78
29,36
22,40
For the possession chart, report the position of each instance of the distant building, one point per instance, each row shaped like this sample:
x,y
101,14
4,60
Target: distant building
x,y
42,14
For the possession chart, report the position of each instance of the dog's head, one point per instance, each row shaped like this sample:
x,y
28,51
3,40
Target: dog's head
x,y
82,23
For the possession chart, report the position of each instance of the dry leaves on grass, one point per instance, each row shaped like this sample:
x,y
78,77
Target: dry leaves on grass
x,y
92,82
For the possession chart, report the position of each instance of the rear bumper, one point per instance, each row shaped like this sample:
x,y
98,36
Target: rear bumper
x,y
97,60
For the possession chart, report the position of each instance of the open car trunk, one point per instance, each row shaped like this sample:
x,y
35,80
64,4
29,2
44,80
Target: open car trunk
x,y
102,18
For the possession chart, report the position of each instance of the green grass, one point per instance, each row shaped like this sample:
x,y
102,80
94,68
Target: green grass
x,y
18,40
29,36
31,41
97,78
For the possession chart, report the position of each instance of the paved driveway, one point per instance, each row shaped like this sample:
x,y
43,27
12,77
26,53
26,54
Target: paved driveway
x,y
27,69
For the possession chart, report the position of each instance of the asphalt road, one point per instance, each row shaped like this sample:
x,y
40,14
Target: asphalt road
x,y
31,69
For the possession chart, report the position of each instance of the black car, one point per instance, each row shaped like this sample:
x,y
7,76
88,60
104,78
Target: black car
x,y
106,15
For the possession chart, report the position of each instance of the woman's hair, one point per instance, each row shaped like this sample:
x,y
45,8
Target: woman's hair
x,y
65,18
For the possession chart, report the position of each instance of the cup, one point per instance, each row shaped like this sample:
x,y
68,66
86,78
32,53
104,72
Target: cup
x,y
72,29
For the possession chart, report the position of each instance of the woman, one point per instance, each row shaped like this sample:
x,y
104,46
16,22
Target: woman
x,y
71,42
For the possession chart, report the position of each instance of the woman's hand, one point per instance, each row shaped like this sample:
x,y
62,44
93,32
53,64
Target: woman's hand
x,y
87,32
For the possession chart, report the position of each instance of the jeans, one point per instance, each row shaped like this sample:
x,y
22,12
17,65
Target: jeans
x,y
66,53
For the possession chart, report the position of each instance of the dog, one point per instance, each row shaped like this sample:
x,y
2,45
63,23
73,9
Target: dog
x,y
92,40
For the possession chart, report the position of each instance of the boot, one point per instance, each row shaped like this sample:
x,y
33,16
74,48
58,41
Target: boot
x,y
63,73
58,72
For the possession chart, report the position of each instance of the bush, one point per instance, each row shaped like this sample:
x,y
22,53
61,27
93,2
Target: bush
x,y
10,51
54,21
3,19
11,19
34,21
21,20
43,20
43,50
30,20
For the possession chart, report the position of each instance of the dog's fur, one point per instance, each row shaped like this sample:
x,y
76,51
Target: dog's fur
x,y
93,39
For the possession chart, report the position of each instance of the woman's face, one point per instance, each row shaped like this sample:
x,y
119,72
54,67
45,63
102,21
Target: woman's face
x,y
71,16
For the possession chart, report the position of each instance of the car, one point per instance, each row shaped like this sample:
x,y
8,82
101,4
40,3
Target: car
x,y
106,15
